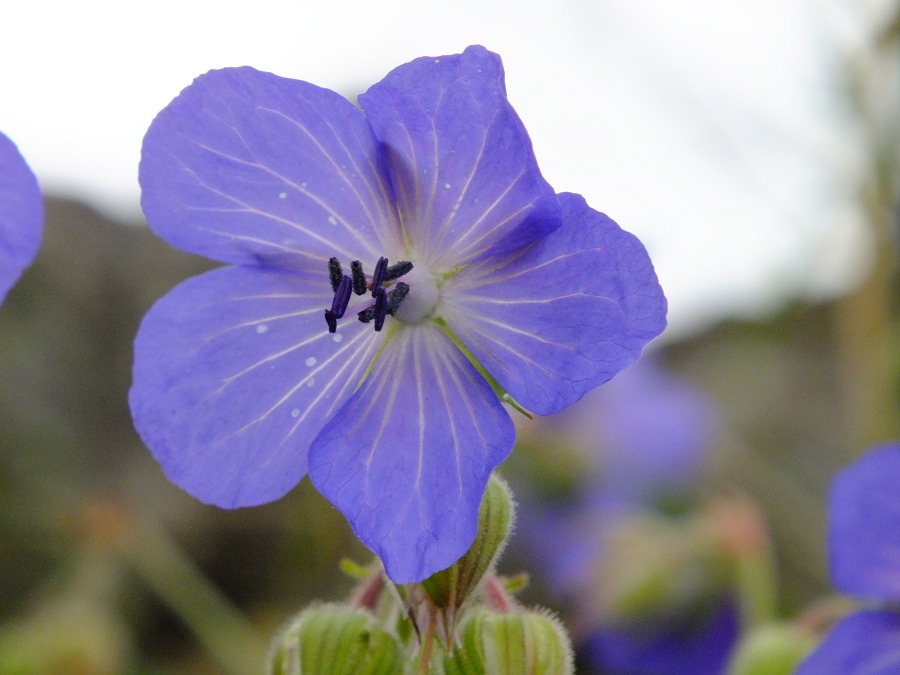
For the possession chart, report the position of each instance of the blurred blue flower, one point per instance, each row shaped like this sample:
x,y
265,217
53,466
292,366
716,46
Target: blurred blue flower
x,y
382,386
651,432
698,646
21,215
644,439
864,554
644,436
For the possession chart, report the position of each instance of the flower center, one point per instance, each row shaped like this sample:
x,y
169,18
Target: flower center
x,y
422,298
383,277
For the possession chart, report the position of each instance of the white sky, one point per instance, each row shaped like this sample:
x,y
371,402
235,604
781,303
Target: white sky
x,y
706,127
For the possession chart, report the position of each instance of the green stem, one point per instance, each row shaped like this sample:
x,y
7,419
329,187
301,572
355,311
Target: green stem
x,y
224,631
756,586
866,336
498,390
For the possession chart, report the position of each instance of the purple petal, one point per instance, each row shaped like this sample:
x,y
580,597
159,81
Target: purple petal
x,y
465,175
864,643
408,457
864,525
234,375
250,168
21,215
562,316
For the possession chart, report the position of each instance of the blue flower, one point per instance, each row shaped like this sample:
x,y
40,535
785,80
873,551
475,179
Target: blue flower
x,y
864,553
21,215
700,646
645,437
642,439
392,272
649,433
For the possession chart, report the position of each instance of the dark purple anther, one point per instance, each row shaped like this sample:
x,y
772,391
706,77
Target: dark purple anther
x,y
341,297
398,270
380,309
378,276
335,273
331,320
366,315
384,303
359,279
396,297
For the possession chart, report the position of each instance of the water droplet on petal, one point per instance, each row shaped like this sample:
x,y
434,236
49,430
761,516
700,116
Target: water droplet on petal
x,y
337,337
282,195
295,412
311,361
310,382
332,220
446,186
262,328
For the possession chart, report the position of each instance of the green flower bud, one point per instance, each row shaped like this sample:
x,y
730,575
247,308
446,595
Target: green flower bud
x,y
773,649
655,570
335,640
517,643
449,588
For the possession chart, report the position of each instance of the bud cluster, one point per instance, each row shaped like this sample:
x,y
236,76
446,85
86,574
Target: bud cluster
x,y
462,620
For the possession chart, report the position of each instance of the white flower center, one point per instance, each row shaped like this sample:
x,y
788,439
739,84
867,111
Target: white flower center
x,y
423,296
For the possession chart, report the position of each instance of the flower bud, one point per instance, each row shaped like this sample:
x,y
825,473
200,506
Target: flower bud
x,y
654,569
515,643
333,640
773,649
449,588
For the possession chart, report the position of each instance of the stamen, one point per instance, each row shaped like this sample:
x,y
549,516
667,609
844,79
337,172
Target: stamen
x,y
380,309
398,270
378,276
366,315
335,273
384,304
359,279
331,320
397,296
377,312
341,297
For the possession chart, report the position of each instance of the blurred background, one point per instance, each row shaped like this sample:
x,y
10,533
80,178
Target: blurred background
x,y
753,147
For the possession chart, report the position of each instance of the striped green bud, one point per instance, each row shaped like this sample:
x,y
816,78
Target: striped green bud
x,y
515,643
335,640
449,588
